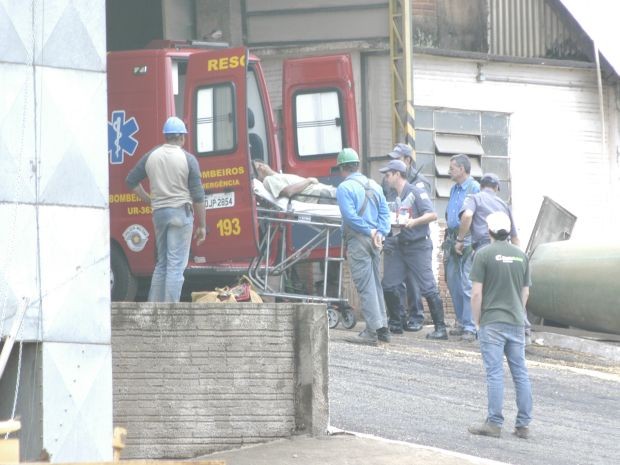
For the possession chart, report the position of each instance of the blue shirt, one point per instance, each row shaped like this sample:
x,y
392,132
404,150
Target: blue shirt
x,y
351,195
457,197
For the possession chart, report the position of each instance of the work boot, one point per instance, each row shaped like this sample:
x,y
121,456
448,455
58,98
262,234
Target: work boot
x,y
486,429
394,307
435,306
458,331
383,334
395,329
468,336
438,334
366,337
413,326
522,432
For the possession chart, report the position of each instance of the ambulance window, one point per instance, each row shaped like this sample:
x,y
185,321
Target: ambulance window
x,y
318,123
215,119
257,128
179,70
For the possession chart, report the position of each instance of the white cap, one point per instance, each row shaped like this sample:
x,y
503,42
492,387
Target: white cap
x,y
498,221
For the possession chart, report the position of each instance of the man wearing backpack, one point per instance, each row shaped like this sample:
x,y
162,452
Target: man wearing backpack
x,y
366,222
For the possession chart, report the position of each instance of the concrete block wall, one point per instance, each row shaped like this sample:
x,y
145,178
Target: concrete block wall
x,y
190,379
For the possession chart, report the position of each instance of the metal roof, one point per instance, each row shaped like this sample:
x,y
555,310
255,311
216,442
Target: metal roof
x,y
599,19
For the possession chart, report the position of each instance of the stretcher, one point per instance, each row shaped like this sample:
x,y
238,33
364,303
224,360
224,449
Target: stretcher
x,y
291,232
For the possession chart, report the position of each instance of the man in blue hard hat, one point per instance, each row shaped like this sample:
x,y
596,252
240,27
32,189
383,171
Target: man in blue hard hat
x,y
176,194
366,222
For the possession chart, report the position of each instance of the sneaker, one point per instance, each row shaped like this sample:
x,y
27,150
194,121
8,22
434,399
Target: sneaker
x,y
383,334
468,336
486,429
411,326
438,334
522,432
365,337
457,332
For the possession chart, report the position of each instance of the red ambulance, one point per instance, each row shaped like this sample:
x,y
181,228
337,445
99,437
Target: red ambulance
x,y
221,94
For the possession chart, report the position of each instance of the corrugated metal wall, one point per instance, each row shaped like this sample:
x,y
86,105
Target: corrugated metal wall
x,y
531,28
271,22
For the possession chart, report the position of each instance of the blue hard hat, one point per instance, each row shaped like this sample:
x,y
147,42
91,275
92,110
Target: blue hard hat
x,y
174,125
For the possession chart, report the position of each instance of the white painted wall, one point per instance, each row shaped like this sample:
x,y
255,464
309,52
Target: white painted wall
x,y
555,133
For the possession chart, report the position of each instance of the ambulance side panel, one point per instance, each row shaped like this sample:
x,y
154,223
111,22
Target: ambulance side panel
x,y
319,114
137,109
216,113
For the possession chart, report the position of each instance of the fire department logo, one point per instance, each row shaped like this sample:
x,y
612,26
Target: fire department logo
x,y
120,137
136,237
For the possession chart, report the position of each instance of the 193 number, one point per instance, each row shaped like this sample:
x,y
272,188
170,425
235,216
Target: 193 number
x,y
229,227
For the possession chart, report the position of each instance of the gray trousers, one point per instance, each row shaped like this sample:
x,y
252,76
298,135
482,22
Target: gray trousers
x,y
364,262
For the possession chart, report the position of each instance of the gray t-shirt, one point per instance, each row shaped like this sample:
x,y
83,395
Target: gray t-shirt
x,y
483,204
504,271
174,177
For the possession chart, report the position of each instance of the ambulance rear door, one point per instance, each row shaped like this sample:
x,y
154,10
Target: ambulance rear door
x,y
216,113
319,114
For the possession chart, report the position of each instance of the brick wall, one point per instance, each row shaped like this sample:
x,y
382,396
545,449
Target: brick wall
x,y
424,8
190,379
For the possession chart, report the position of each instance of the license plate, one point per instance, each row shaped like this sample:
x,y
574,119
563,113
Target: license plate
x,y
220,200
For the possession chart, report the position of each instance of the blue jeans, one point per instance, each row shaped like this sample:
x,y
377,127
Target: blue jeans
x,y
173,236
459,285
497,340
364,260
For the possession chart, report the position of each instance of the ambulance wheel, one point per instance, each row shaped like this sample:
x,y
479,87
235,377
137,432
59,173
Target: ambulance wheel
x,y
123,284
348,317
332,317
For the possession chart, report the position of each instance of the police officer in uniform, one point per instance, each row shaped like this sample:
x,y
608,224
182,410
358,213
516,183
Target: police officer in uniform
x,y
410,294
411,251
474,214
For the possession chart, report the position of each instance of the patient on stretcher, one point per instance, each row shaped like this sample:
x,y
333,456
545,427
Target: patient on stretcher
x,y
292,186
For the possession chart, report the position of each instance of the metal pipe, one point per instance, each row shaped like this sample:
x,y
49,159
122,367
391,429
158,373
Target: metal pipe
x,y
576,284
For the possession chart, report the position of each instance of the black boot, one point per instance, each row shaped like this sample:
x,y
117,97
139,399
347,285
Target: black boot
x,y
435,306
392,302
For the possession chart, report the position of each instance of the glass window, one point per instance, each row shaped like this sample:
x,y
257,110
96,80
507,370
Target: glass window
x,y
179,71
424,141
458,122
257,127
318,123
215,119
423,118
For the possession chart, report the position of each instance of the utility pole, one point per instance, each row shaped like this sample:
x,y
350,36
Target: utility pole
x,y
401,57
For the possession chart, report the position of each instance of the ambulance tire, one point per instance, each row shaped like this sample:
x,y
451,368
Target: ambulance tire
x,y
123,284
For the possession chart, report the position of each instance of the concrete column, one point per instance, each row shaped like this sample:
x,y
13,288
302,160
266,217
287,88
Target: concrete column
x,y
54,234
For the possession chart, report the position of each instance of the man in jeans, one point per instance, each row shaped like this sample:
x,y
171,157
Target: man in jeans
x,y
457,266
366,222
500,278
176,193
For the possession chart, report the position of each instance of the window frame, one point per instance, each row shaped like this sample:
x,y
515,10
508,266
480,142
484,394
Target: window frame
x,y
341,108
235,142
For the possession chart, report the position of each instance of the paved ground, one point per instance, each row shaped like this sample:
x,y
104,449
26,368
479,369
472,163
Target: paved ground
x,y
427,393
421,396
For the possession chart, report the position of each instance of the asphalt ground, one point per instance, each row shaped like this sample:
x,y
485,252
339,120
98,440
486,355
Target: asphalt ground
x,y
428,392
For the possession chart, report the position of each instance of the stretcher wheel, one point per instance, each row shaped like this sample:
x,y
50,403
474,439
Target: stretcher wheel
x,y
348,317
332,317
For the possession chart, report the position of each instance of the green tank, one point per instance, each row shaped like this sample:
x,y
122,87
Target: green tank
x,y
577,284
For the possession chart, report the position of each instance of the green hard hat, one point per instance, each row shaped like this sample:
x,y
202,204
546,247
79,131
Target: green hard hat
x,y
347,155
